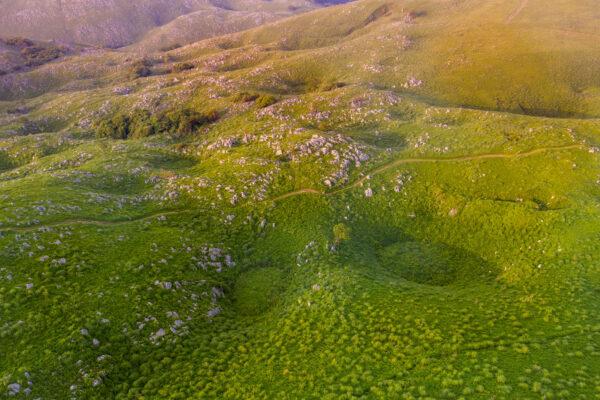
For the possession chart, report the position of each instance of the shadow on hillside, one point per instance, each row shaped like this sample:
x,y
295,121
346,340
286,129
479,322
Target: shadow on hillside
x,y
390,252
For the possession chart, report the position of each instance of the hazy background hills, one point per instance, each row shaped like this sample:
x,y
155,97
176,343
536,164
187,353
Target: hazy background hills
x,y
515,56
117,23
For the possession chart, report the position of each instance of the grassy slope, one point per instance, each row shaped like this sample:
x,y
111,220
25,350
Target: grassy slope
x,y
113,23
200,25
544,72
473,278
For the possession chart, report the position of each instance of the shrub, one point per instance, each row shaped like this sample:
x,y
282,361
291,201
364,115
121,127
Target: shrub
x,y
411,15
35,54
38,55
312,84
142,124
2,72
182,67
146,62
212,115
139,72
140,69
341,232
186,121
19,42
330,86
245,97
265,100
113,127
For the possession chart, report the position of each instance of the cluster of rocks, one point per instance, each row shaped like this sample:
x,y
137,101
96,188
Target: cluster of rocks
x,y
412,83
16,388
122,90
420,141
212,257
338,150
400,181
223,143
251,186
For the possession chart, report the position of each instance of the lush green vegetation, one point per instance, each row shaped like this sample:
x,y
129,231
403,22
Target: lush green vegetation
x,y
413,233
141,123
265,100
245,97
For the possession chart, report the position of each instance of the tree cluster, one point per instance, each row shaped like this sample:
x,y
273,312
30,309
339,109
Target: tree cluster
x,y
35,54
140,69
140,123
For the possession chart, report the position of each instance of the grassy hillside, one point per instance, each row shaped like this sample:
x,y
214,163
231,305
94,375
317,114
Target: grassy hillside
x,y
117,23
461,55
377,200
202,24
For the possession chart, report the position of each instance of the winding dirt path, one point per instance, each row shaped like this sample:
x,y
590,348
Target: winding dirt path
x,y
90,222
457,159
301,191
516,12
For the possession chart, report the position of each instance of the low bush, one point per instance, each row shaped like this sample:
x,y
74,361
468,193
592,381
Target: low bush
x,y
341,232
139,72
140,69
38,55
326,87
265,100
182,67
113,127
245,97
312,84
183,121
35,54
140,124
19,42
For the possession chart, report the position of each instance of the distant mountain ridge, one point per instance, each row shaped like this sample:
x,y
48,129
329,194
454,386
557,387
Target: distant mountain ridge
x,y
118,23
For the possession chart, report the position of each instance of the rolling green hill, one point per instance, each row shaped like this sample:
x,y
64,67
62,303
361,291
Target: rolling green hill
x,y
375,200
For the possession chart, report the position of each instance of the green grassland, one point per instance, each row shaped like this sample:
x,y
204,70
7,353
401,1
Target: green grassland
x,y
458,142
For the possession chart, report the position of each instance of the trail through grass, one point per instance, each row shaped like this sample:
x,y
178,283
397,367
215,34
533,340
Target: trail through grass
x,y
516,12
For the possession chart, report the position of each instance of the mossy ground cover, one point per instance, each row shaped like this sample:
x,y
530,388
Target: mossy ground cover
x,y
210,263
